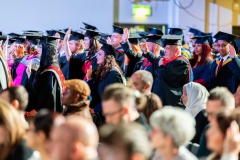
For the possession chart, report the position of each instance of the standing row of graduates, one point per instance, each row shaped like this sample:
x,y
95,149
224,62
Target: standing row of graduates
x,y
101,59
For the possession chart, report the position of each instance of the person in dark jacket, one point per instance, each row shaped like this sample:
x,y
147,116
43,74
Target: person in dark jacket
x,y
171,72
107,73
225,70
75,98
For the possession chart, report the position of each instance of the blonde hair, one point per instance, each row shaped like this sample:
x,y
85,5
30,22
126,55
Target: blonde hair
x,y
9,119
80,42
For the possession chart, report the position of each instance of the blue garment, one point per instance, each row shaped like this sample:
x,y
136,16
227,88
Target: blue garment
x,y
203,72
64,64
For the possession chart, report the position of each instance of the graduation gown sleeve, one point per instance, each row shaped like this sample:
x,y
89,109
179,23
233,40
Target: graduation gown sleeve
x,y
75,66
47,92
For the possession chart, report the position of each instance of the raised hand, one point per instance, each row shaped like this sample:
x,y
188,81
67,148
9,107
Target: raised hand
x,y
109,41
160,62
232,51
67,35
144,47
125,35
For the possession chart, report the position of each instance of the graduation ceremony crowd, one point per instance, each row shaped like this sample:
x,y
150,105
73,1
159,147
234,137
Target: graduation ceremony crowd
x,y
70,95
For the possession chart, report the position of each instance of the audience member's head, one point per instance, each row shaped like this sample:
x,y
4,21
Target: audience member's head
x,y
39,130
171,128
76,98
118,104
11,129
142,81
194,97
77,139
237,97
219,98
17,96
217,131
124,142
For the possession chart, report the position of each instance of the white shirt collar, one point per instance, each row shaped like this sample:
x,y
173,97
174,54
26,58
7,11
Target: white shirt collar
x,y
224,58
62,53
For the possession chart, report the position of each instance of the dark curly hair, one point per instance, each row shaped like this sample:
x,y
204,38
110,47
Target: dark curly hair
x,y
94,47
110,63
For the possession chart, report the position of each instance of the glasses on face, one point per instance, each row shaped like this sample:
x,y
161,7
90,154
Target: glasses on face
x,y
113,36
113,113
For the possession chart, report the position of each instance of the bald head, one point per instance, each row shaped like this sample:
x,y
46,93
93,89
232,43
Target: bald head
x,y
142,81
77,138
82,130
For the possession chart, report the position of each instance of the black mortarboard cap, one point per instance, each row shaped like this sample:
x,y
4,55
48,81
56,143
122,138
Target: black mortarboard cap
x,y
33,31
201,39
76,36
155,39
14,35
30,35
172,40
117,29
155,31
10,41
88,26
225,36
195,31
60,32
108,49
2,34
93,34
103,38
19,40
50,40
50,32
133,38
175,31
36,40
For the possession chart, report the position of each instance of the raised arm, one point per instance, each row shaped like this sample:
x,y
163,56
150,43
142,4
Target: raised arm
x,y
66,45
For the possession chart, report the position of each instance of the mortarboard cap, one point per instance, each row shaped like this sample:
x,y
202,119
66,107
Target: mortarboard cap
x,y
155,31
88,26
50,40
201,39
172,40
154,39
93,34
76,36
33,31
133,38
14,35
60,32
10,41
3,38
19,40
195,31
117,29
108,49
2,34
175,31
103,38
225,36
30,35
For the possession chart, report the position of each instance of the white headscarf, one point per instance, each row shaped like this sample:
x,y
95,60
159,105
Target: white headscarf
x,y
197,98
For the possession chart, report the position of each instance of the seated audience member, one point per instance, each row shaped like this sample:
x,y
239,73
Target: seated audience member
x,y
237,97
75,98
171,129
18,97
142,81
195,98
77,139
119,142
218,130
39,130
119,105
219,98
12,132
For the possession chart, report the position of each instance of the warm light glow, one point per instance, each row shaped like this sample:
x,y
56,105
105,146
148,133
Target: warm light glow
x,y
235,6
141,10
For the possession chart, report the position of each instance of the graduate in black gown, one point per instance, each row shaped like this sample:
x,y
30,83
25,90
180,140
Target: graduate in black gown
x,y
201,61
73,46
172,73
108,72
225,70
156,32
80,63
49,86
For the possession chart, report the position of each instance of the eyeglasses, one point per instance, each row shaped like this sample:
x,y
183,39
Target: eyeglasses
x,y
113,113
115,36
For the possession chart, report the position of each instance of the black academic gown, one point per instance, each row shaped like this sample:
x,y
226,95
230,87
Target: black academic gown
x,y
64,64
228,76
47,92
97,88
170,79
4,79
76,64
135,60
120,57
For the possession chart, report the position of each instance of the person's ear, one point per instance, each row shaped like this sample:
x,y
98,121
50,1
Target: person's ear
x,y
41,136
76,97
15,104
125,110
147,86
138,156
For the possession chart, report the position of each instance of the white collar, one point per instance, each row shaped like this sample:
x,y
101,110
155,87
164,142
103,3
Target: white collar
x,y
224,58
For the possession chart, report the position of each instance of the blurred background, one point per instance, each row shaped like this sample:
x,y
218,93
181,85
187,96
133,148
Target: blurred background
x,y
205,15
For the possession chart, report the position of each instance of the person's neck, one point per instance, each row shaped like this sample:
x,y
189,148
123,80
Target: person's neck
x,y
199,58
223,55
168,153
44,154
22,118
90,153
118,46
147,92
61,50
133,115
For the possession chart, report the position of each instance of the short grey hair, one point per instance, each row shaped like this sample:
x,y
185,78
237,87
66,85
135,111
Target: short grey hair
x,y
147,77
175,122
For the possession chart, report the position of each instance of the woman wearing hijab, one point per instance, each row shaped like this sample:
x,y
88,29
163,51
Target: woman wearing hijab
x,y
194,97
